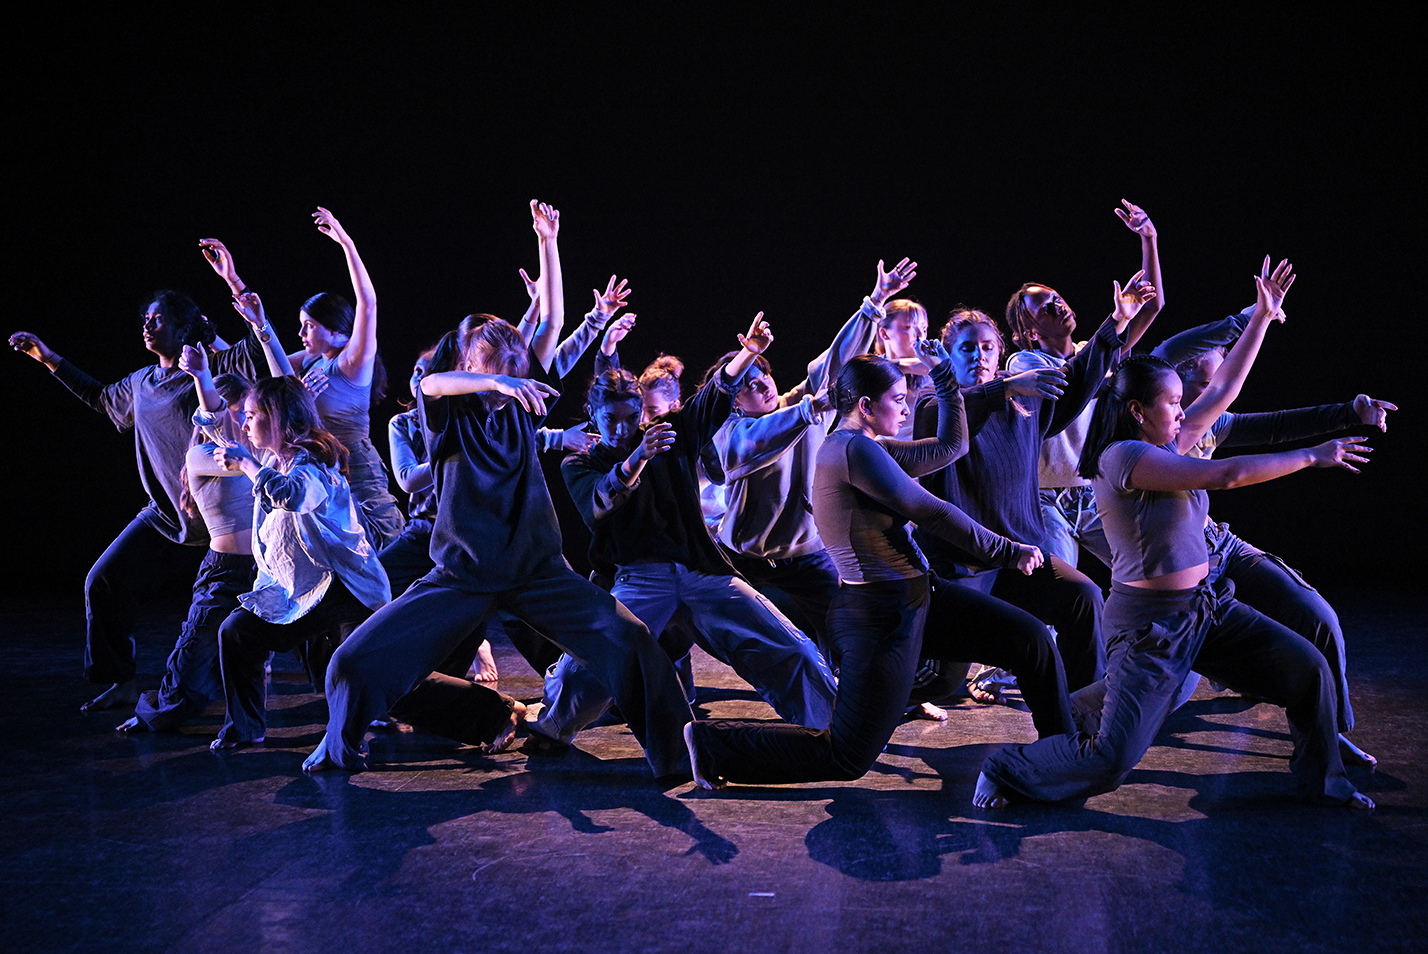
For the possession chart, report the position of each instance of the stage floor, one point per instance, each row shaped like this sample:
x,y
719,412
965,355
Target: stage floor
x,y
154,843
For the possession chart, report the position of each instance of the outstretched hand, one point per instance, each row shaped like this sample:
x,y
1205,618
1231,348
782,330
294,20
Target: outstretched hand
x,y
759,336
1037,382
218,256
328,225
1373,412
250,306
193,361
658,438
529,393
26,343
1271,287
616,333
577,440
544,219
1342,452
1027,558
532,285
1135,219
1128,301
612,299
891,282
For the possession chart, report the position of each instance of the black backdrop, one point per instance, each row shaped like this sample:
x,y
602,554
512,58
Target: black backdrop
x,y
727,164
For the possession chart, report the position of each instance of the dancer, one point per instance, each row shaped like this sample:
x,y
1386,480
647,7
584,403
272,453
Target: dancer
x,y
995,482
639,494
339,363
1042,325
163,540
496,544
864,494
318,575
1162,618
224,499
765,460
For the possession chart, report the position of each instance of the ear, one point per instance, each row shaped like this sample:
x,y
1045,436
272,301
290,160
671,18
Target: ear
x,y
865,405
1137,410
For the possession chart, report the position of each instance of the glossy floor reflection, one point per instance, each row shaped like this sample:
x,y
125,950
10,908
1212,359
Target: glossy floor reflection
x,y
153,843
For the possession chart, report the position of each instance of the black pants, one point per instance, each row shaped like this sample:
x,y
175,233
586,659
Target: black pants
x,y
882,629
245,639
133,567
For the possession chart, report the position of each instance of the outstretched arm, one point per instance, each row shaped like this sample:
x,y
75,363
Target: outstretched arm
x,y
545,220
611,300
1138,222
529,393
360,354
1225,386
1159,469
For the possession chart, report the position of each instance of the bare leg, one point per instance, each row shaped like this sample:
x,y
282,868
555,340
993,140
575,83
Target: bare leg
x,y
119,694
989,794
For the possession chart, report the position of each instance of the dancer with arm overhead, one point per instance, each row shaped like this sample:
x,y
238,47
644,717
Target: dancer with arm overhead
x,y
765,459
1163,618
995,482
639,494
339,363
163,540
865,492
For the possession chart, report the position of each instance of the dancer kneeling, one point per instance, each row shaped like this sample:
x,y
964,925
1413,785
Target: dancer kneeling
x,y
864,494
1163,618
318,575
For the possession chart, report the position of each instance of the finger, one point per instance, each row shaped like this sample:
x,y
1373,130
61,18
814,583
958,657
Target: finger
x,y
1385,405
1136,277
544,388
754,325
1264,269
1120,214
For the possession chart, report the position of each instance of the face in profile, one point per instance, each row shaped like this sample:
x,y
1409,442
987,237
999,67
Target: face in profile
x,y
1047,313
886,414
1160,417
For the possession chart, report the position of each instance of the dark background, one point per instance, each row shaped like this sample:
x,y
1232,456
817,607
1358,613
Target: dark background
x,y
740,162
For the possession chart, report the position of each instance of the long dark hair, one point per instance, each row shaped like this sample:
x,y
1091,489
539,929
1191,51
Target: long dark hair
x,y
865,376
333,312
180,312
290,409
1140,378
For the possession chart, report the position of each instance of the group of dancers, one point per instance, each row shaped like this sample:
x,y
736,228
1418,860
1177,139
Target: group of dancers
x,y
907,508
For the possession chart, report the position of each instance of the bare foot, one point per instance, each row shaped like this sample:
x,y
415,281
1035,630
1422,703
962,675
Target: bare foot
x,y
317,760
1353,755
119,694
702,778
507,736
1360,802
220,745
929,712
130,725
486,673
989,794
986,687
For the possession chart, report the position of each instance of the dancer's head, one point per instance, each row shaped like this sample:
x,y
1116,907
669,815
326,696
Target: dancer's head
x,y
905,325
1036,312
757,394
974,342
871,393
616,404
445,355
659,384
1141,403
281,418
1197,372
171,320
325,327
494,347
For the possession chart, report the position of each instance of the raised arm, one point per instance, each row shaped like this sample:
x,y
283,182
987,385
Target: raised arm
x,y
1138,222
360,354
1225,386
611,300
250,307
545,220
194,362
527,325
928,455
